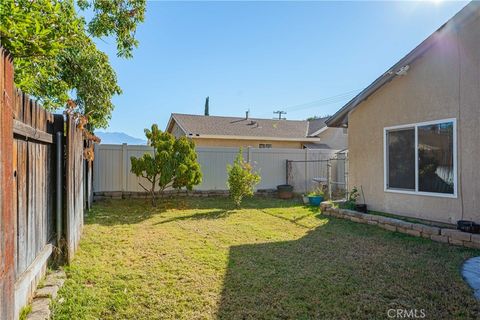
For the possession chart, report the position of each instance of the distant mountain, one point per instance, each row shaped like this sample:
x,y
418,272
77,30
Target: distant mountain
x,y
118,138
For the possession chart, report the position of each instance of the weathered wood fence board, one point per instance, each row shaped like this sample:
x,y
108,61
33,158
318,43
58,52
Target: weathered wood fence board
x,y
7,215
75,186
34,192
28,190
33,172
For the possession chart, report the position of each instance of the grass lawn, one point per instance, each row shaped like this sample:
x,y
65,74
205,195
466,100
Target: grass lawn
x,y
272,259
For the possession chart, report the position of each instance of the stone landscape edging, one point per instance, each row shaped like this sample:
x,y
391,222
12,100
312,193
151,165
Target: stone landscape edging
x,y
438,234
44,295
268,193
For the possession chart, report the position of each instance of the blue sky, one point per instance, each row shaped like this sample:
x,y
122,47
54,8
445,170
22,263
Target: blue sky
x,y
262,56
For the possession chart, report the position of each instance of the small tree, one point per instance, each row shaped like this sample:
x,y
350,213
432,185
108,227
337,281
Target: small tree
x,y
173,164
241,179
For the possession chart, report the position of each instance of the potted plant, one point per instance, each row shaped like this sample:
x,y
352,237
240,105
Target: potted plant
x,y
361,207
351,202
316,197
305,199
285,191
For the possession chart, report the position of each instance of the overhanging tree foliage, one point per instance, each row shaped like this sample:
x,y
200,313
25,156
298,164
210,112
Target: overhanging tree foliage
x,y
55,57
173,163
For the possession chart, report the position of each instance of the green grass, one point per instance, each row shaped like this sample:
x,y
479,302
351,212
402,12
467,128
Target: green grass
x,y
25,311
272,259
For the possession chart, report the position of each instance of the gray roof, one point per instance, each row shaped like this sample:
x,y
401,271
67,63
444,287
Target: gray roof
x,y
340,118
318,145
316,124
198,125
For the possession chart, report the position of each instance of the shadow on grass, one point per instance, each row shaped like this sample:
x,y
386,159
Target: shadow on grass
x,y
215,214
295,221
344,270
132,211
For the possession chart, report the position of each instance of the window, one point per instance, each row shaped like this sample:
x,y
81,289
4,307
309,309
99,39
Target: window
x,y
421,158
264,145
401,159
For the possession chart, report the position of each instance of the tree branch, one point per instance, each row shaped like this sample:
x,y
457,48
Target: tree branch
x,y
143,187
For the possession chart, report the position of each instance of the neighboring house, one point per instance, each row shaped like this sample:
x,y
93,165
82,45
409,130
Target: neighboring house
x,y
216,131
330,138
414,133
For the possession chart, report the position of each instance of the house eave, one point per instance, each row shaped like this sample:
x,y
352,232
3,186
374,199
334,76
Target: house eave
x,y
318,131
225,137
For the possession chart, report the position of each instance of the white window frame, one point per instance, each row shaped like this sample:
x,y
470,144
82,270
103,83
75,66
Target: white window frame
x,y
416,191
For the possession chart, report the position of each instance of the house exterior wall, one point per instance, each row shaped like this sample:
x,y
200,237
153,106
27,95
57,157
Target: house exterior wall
x,y
444,83
199,142
335,138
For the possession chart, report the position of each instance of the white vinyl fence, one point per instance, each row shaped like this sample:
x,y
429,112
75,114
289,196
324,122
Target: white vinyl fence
x,y
112,167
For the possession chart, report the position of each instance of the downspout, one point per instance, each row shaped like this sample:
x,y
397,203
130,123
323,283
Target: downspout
x,y
59,174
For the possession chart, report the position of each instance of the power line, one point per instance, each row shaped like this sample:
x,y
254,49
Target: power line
x,y
324,101
341,97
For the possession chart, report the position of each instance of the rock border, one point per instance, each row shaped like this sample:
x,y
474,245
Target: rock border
x,y
444,235
175,193
44,295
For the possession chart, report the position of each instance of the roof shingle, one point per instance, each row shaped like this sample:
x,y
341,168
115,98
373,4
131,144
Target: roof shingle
x,y
236,126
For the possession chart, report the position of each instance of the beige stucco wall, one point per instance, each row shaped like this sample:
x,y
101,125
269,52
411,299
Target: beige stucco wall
x,y
444,83
245,143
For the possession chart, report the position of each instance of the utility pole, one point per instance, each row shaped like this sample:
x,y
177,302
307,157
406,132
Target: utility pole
x,y
280,114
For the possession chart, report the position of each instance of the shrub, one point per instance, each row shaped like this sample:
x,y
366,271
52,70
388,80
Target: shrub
x,y
317,192
352,199
173,164
241,179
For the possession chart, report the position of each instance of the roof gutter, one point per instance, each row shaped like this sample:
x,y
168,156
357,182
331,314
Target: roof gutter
x,y
210,136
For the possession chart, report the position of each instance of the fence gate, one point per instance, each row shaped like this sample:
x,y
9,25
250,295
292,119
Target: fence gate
x,y
328,174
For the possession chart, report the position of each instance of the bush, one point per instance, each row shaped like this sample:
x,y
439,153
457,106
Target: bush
x,y
173,163
352,199
241,179
317,192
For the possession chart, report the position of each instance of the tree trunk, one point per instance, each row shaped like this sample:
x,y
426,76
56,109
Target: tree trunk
x,y
152,191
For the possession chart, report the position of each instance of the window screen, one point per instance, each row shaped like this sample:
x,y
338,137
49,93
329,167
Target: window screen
x,y
401,159
435,158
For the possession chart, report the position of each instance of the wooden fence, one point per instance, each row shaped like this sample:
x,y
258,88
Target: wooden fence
x,y
34,218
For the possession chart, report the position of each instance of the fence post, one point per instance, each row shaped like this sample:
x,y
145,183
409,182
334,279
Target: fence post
x,y
58,161
306,170
7,217
124,167
329,178
286,171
